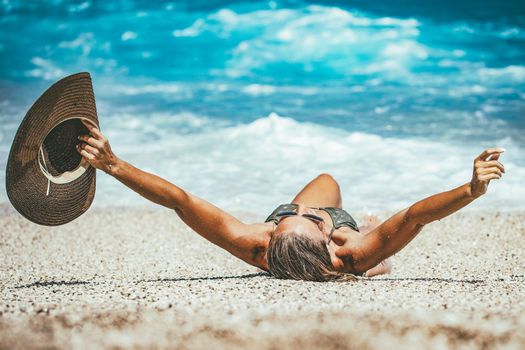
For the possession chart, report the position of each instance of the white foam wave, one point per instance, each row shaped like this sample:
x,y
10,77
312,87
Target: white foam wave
x,y
460,91
512,73
187,90
513,33
171,88
192,31
312,34
80,7
361,47
258,90
257,165
46,69
148,130
128,35
85,41
405,49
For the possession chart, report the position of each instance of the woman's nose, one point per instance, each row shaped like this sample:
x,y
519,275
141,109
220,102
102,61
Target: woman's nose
x,y
303,209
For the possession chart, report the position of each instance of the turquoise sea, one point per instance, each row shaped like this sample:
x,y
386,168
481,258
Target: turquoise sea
x,y
243,102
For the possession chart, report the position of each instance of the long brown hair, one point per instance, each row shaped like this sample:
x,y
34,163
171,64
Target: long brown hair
x,y
302,257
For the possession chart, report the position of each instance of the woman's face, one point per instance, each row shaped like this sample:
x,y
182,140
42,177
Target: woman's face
x,y
301,225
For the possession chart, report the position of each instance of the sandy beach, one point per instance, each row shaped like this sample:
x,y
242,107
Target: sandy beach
x,y
243,103
132,278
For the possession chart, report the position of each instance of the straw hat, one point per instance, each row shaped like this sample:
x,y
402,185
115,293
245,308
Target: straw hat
x,y
47,181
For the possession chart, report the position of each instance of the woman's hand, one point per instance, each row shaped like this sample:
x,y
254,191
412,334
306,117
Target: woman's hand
x,y
96,150
486,168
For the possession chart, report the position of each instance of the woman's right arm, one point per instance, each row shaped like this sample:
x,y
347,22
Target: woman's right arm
x,y
396,232
214,224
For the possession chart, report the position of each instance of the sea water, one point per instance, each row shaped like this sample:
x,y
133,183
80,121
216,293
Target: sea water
x,y
242,103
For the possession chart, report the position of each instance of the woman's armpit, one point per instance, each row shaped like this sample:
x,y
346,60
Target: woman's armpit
x,y
259,257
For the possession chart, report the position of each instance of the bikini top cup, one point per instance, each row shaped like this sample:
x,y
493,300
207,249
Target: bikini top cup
x,y
340,217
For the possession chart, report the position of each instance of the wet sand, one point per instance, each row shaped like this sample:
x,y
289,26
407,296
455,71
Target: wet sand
x,y
133,278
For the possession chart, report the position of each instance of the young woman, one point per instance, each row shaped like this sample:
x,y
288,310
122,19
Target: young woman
x,y
312,238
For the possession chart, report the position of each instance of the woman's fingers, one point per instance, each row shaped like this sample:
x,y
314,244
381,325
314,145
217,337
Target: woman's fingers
x,y
93,130
91,141
339,238
89,149
488,177
491,163
494,156
85,154
489,152
492,170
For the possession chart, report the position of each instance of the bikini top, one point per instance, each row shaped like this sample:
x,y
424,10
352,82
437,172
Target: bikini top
x,y
340,217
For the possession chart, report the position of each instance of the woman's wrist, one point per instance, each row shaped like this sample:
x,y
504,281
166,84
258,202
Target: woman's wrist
x,y
473,192
469,190
115,167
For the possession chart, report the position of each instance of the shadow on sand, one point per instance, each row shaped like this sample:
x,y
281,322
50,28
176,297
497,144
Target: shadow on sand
x,y
52,283
213,278
265,274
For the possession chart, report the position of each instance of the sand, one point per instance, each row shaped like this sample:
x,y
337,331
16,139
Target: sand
x,y
139,278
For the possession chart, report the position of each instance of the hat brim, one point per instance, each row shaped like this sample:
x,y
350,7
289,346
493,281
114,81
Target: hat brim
x,y
29,188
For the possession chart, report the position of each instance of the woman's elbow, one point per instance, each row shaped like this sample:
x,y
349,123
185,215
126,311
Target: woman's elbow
x,y
177,200
413,217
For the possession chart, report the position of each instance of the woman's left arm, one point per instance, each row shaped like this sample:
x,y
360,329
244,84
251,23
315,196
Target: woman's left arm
x,y
486,168
396,232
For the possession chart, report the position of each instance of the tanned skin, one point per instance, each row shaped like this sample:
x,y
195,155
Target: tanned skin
x,y
351,251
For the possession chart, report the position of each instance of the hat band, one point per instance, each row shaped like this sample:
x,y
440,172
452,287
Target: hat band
x,y
67,176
